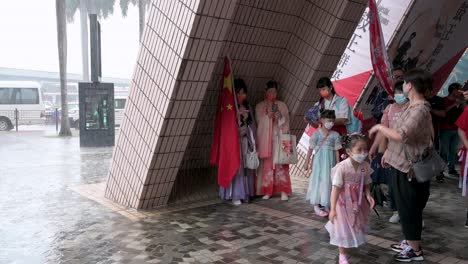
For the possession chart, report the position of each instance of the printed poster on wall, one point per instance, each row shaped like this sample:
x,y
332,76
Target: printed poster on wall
x,y
432,37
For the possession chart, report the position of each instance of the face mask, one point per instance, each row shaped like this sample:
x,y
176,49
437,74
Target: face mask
x,y
400,99
324,93
241,98
271,97
359,158
328,125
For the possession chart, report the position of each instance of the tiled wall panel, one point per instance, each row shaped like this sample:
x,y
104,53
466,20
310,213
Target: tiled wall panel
x,y
164,143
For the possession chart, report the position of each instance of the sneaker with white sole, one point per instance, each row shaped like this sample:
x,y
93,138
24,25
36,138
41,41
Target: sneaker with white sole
x,y
452,177
408,255
398,247
236,202
466,223
395,218
266,197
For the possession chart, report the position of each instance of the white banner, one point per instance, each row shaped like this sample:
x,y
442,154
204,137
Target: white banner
x,y
356,58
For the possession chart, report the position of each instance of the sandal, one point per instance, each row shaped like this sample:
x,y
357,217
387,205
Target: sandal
x,y
321,213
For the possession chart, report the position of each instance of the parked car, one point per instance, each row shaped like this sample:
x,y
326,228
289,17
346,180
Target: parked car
x,y
23,96
74,115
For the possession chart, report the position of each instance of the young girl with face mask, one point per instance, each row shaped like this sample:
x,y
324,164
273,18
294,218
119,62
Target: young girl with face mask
x,y
324,146
351,198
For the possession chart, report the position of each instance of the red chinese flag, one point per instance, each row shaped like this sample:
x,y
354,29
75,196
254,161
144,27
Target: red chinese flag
x,y
225,153
378,51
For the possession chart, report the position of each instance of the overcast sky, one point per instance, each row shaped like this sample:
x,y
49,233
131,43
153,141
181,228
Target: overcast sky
x,y
28,33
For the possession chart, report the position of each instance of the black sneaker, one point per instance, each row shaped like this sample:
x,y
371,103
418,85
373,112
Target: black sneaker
x,y
398,247
440,178
409,255
466,223
454,173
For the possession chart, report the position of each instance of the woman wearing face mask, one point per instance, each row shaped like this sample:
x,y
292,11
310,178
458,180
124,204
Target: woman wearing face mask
x,y
376,153
272,119
324,146
329,100
412,133
242,185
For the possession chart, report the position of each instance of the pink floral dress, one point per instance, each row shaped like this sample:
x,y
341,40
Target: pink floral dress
x,y
352,209
271,178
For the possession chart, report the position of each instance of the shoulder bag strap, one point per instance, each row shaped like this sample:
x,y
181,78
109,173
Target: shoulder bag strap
x,y
253,139
323,141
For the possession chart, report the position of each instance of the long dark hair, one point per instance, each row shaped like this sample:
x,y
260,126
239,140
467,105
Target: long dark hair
x,y
322,82
239,85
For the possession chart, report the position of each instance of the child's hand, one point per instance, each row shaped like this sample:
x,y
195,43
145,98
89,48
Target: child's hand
x,y
371,201
332,216
306,165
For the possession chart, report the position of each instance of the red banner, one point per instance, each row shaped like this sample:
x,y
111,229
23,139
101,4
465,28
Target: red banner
x,y
378,50
225,152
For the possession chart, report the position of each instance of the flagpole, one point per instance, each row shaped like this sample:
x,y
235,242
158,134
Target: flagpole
x,y
239,141
234,92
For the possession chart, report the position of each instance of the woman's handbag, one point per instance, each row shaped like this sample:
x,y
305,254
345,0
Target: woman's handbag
x,y
429,164
251,158
284,149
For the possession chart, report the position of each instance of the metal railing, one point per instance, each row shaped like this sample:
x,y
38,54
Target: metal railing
x,y
12,119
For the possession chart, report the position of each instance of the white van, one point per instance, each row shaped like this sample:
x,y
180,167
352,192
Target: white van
x,y
24,96
119,103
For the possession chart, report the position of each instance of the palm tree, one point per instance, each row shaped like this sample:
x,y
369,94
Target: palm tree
x,y
62,52
142,5
103,8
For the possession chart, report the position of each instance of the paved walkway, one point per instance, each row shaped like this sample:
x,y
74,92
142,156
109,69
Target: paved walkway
x,y
51,211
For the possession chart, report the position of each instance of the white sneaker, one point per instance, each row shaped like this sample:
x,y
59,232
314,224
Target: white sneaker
x,y
266,197
236,202
395,218
284,196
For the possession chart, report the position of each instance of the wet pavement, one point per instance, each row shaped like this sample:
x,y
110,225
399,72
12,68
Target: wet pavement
x,y
42,220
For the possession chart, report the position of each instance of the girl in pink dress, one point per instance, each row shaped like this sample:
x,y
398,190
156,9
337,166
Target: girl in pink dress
x,y
350,198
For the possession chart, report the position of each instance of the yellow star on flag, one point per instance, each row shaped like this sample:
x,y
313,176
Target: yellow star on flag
x,y
228,82
229,107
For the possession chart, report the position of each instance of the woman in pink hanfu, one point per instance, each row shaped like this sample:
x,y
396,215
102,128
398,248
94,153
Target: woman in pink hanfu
x,y
350,198
272,119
